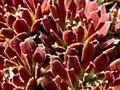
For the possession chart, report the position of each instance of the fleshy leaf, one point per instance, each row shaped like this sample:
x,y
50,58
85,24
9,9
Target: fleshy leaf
x,y
24,75
58,69
39,55
8,33
100,62
48,83
38,12
80,32
26,15
61,83
69,37
104,30
20,26
87,54
73,62
114,66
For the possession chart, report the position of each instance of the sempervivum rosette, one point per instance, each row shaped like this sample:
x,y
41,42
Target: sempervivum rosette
x,y
21,64
21,18
83,69
69,22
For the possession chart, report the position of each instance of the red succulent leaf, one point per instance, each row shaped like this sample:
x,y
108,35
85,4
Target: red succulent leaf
x,y
62,11
90,7
92,38
59,29
73,62
114,66
16,80
69,37
104,30
70,51
72,8
36,26
24,75
26,15
72,77
50,50
13,55
20,25
39,55
44,6
26,54
2,18
87,54
7,86
31,43
58,69
102,20
37,71
15,70
48,83
80,4
31,4
61,83
59,48
17,3
107,43
80,32
15,44
22,36
94,18
91,29
45,40
38,12
103,10
31,84
3,25
54,12
111,53
47,25
116,85
10,19
1,62
77,46
8,33
56,38
100,62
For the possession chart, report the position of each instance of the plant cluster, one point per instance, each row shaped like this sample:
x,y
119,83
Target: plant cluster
x,y
59,45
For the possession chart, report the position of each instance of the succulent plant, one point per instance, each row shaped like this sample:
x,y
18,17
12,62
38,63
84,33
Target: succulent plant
x,y
83,70
22,62
21,18
59,45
